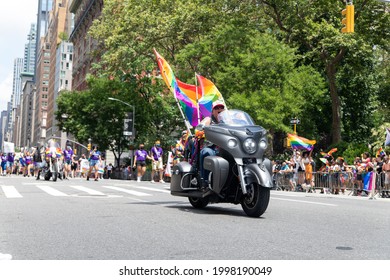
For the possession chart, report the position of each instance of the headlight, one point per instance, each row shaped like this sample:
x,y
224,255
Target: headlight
x,y
250,146
263,144
232,143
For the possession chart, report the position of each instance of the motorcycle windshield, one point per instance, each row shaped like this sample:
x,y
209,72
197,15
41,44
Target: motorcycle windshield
x,y
53,148
235,118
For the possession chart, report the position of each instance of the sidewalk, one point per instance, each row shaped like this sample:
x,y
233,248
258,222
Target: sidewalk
x,y
346,195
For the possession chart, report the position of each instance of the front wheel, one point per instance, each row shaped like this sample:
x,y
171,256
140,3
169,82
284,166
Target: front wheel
x,y
55,171
198,202
256,201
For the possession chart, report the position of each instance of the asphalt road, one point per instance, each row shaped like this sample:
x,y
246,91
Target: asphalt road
x,y
125,220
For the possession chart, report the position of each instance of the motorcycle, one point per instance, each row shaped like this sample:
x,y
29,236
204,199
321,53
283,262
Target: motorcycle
x,y
239,173
52,155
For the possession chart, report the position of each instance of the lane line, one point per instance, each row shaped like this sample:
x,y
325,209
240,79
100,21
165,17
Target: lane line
x,y
127,191
51,191
11,192
87,190
304,201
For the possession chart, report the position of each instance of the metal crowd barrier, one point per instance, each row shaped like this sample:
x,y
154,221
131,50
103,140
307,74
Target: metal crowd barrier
x,y
351,183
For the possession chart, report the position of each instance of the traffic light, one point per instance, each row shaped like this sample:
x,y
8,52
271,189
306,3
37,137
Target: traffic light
x,y
89,146
348,19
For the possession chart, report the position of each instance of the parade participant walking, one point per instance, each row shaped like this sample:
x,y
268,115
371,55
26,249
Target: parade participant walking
x,y
37,160
3,158
94,158
74,166
156,154
29,164
140,161
10,163
68,153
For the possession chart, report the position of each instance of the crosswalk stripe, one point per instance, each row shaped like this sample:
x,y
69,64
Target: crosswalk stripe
x,y
87,190
153,189
51,191
11,192
127,191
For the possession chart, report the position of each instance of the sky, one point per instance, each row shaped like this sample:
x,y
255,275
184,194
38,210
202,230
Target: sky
x,y
16,17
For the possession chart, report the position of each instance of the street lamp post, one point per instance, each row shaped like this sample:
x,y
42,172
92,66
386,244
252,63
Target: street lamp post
x,y
133,108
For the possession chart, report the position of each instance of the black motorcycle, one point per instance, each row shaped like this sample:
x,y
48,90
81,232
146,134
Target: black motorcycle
x,y
239,173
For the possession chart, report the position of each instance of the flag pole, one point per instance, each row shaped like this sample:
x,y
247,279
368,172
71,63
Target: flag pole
x,y
197,97
186,122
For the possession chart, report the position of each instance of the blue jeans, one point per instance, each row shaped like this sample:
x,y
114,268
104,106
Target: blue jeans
x,y
205,152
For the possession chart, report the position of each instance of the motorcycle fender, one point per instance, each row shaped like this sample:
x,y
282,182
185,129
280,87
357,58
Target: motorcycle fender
x,y
255,174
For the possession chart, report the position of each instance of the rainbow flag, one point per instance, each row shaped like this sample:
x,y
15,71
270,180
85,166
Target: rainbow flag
x,y
210,93
187,104
380,152
329,154
299,143
369,181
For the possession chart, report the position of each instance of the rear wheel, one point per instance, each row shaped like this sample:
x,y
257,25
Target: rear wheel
x,y
198,202
256,201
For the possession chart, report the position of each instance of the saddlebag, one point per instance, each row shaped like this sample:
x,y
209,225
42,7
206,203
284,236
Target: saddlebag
x,y
220,170
181,177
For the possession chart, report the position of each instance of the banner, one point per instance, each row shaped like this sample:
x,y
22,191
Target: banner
x,y
9,147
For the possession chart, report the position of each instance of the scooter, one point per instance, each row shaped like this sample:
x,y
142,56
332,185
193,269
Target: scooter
x,y
238,174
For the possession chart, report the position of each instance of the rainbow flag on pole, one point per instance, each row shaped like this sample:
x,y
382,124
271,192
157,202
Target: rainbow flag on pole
x,y
187,104
209,93
300,143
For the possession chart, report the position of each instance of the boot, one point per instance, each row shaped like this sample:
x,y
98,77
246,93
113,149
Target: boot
x,y
39,173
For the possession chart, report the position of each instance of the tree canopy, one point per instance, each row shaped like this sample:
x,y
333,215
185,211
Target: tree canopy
x,y
275,59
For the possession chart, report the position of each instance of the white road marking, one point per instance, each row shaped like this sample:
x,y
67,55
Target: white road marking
x,y
304,201
87,190
5,257
11,192
51,191
154,189
127,191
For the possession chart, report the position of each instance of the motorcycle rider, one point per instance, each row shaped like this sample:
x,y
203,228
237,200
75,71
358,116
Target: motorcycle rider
x,y
208,148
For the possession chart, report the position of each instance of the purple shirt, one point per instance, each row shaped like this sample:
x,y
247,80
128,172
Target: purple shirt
x,y
10,158
156,152
141,155
4,158
68,154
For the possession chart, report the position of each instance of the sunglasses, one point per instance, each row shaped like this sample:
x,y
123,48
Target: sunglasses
x,y
219,108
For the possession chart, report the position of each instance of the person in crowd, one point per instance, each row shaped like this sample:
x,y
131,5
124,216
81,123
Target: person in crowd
x,y
10,163
287,169
74,166
37,160
109,170
94,158
140,158
299,167
156,153
22,163
101,166
84,166
307,161
68,153
179,149
386,171
209,149
3,169
29,164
